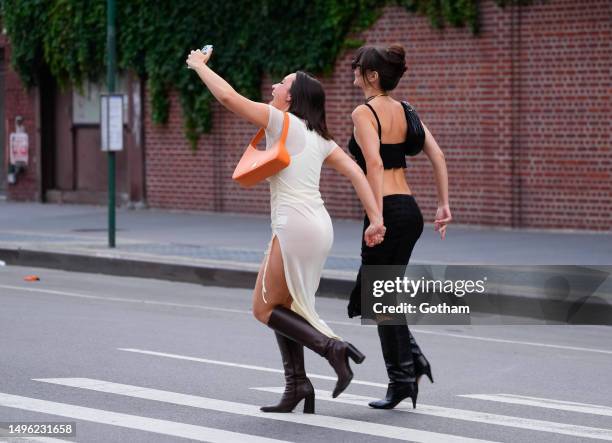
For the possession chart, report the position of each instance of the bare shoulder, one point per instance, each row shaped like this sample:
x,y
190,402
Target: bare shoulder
x,y
362,114
360,110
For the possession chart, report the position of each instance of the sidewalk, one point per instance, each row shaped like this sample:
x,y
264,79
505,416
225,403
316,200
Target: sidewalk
x,y
227,249
240,238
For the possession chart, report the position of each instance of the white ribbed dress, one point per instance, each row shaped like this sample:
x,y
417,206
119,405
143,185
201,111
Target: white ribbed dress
x,y
299,218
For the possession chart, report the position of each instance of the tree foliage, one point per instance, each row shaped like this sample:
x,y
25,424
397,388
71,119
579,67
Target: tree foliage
x,y
153,38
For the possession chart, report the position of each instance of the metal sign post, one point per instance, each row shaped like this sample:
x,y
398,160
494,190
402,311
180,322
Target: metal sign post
x,y
111,136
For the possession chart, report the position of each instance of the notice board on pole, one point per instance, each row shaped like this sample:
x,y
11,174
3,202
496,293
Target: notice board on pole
x,y
111,122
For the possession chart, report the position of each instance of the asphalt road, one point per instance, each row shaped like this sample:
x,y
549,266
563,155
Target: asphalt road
x,y
154,361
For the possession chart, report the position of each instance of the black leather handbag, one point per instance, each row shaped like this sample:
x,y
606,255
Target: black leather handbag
x,y
416,132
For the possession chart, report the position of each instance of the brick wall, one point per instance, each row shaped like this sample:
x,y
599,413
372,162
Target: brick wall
x,y
19,101
522,113
564,98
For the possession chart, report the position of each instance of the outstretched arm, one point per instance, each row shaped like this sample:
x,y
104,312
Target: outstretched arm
x,y
256,113
342,163
438,162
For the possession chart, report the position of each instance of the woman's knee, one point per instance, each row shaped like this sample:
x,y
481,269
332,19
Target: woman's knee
x,y
262,311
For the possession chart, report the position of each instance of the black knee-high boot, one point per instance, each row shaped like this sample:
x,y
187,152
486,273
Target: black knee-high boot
x,y
400,367
297,384
337,352
421,364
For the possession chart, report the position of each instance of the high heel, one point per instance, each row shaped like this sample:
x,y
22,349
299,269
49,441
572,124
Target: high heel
x,y
309,404
337,352
355,354
396,392
297,384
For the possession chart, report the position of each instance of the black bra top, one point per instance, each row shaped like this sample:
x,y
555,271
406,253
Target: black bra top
x,y
393,155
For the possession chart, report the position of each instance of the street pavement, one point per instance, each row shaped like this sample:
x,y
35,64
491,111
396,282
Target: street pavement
x,y
145,360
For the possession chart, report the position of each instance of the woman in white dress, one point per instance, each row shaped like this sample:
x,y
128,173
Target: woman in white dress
x,y
302,233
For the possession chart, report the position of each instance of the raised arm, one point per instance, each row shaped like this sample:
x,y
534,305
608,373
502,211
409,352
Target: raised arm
x,y
256,113
367,138
342,163
438,162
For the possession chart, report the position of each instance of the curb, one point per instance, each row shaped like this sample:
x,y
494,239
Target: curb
x,y
206,275
515,301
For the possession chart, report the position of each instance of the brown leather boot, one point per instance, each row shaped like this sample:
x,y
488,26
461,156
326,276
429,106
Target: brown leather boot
x,y
297,384
337,352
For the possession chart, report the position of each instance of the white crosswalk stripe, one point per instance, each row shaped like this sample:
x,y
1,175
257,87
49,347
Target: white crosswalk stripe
x,y
175,429
323,421
547,403
474,416
202,433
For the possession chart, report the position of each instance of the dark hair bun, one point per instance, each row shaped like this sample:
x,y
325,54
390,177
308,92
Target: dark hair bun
x,y
389,62
397,56
397,49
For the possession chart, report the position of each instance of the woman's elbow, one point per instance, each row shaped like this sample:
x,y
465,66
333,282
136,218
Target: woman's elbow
x,y
375,165
437,157
227,98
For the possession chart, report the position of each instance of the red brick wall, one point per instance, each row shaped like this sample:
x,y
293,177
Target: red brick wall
x,y
565,163
522,113
177,177
19,101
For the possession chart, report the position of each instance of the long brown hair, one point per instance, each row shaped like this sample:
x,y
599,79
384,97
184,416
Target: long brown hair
x,y
308,103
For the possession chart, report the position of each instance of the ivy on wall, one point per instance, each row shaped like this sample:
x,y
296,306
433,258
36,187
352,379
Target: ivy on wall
x,y
250,37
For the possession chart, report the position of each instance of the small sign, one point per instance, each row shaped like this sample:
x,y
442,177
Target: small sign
x,y
18,148
111,122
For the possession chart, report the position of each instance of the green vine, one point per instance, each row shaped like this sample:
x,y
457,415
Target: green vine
x,y
250,37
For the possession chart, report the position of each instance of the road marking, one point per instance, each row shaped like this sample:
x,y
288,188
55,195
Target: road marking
x,y
175,429
332,322
322,421
238,365
127,300
473,416
548,403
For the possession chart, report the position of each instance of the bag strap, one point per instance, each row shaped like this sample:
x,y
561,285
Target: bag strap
x,y
285,131
262,131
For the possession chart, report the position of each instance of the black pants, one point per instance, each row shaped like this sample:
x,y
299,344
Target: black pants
x,y
404,223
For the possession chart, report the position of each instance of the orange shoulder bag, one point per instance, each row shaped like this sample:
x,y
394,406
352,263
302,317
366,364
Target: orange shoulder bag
x,y
256,165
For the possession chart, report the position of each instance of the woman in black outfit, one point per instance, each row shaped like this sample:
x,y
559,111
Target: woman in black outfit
x,y
381,140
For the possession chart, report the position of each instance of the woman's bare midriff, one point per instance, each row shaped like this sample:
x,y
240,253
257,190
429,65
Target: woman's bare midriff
x,y
394,182
394,127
